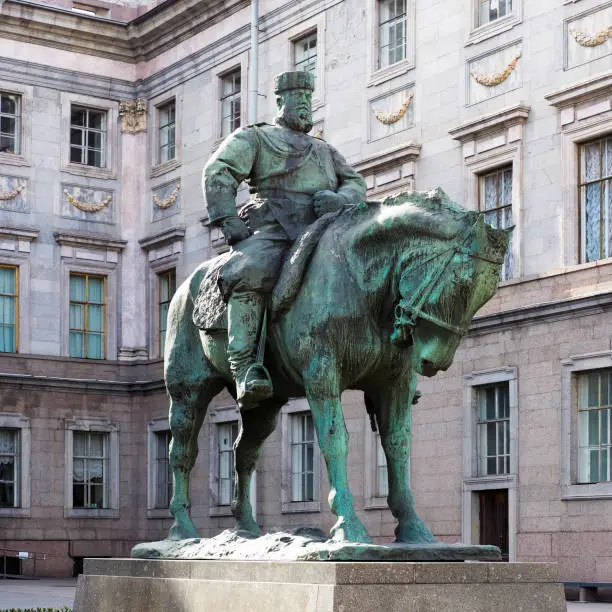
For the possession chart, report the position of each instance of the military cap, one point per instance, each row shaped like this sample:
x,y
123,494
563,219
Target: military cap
x,y
285,81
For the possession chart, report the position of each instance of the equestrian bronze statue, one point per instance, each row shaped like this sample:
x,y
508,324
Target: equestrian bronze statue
x,y
321,291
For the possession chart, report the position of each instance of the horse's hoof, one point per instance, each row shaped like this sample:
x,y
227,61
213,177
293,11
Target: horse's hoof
x,y
350,531
182,531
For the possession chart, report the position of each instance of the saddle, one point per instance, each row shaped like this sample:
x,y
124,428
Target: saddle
x,y
209,308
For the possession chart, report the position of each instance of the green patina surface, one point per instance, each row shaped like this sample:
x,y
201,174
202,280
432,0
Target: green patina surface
x,y
358,295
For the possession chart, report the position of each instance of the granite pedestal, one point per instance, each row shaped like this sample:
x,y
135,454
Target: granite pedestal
x,y
139,585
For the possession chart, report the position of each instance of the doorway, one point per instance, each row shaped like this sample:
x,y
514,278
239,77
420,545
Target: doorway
x,y
493,519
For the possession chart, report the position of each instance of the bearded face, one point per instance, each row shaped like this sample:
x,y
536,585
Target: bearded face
x,y
295,109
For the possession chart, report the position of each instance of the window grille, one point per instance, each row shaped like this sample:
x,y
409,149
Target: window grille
x,y
227,434
230,102
167,287
392,25
305,50
9,468
9,308
491,10
10,123
87,316
494,430
596,198
88,136
302,458
163,473
167,132
90,469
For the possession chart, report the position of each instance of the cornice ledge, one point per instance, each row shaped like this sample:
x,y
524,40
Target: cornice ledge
x,y
89,240
169,236
553,311
397,155
504,118
579,92
19,232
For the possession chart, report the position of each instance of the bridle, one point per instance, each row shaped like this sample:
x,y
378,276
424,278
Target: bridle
x,y
409,312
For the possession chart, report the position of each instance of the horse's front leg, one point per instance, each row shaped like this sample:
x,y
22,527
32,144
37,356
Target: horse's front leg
x,y
333,440
393,405
257,424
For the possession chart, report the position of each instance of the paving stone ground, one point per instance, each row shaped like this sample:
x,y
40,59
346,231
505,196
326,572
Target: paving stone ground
x,y
57,592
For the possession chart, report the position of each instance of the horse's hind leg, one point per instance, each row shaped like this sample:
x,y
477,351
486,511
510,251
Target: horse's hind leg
x,y
257,424
392,406
189,400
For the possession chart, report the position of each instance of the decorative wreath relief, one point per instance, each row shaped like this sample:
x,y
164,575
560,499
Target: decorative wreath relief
x,y
13,193
491,80
394,117
90,207
586,39
169,201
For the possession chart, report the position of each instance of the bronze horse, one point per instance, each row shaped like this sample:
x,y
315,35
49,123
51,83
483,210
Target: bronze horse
x,y
389,292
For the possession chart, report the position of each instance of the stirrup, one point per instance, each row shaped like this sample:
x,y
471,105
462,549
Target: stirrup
x,y
255,386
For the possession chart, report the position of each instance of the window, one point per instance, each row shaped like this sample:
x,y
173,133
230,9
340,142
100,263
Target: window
x,y
596,198
490,10
490,459
9,468
495,200
10,123
90,469
87,315
302,458
594,426
226,436
9,281
230,102
88,136
493,426
163,473
167,287
382,480
167,132
392,21
305,52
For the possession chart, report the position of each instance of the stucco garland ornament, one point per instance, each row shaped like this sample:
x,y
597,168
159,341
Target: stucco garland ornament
x,y
492,80
586,39
13,193
395,116
90,207
169,201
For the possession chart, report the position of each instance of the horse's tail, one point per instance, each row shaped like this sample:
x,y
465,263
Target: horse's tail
x,y
290,279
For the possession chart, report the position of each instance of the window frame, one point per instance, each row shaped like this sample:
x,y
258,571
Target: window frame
x,y
21,423
219,454
296,41
571,369
17,117
100,425
288,506
483,31
472,482
154,427
499,170
234,95
580,147
394,22
220,416
161,329
171,126
26,94
104,458
86,130
85,330
111,108
159,168
16,299
377,75
306,28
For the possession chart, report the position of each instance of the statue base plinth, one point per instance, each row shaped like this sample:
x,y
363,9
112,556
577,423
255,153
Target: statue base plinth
x,y
118,585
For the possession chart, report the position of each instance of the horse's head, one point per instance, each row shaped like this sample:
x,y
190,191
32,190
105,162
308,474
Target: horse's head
x,y
443,288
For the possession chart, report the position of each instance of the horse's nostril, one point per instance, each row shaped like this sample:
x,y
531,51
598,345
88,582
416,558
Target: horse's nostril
x,y
428,368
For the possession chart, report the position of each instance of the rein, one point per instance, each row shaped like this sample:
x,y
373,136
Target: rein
x,y
408,312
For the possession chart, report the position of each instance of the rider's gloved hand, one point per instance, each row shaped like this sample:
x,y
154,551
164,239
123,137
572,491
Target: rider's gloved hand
x,y
234,229
327,201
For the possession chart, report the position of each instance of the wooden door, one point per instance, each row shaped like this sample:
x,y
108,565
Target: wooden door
x,y
494,519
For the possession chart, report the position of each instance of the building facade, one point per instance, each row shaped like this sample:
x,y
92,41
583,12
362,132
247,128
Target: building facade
x,y
108,113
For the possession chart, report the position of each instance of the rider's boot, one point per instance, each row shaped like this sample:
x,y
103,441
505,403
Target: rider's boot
x,y
244,314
